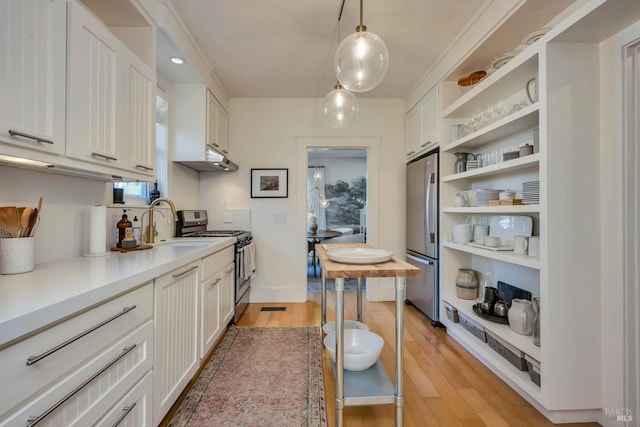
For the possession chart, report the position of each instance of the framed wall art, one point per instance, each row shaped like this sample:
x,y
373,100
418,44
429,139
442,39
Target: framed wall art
x,y
269,183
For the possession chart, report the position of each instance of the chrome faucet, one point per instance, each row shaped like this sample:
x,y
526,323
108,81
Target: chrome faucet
x,y
150,228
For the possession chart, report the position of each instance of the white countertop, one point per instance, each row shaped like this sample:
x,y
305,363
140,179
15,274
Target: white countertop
x,y
55,290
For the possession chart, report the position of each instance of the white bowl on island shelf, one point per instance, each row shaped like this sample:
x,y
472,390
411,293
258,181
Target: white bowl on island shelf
x,y
361,348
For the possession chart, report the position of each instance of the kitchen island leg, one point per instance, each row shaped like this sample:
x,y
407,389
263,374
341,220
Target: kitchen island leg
x,y
359,300
323,281
339,351
399,388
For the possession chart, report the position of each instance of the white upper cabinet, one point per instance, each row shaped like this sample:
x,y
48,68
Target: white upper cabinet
x,y
32,75
216,124
138,126
222,138
199,123
422,125
95,79
111,104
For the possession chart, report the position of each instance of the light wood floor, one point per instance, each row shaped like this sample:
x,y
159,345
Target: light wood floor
x,y
444,385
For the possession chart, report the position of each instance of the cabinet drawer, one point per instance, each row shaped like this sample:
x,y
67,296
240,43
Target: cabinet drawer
x,y
83,397
214,263
61,353
134,409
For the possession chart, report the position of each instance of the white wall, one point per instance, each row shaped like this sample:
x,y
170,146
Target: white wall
x,y
612,229
63,231
262,134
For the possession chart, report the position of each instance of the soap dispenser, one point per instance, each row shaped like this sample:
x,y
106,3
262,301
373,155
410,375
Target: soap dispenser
x,y
137,234
123,226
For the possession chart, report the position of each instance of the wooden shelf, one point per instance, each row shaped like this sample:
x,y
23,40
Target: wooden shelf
x,y
520,120
520,163
505,256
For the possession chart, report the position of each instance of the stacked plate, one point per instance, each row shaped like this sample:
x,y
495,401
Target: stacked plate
x,y
483,196
531,192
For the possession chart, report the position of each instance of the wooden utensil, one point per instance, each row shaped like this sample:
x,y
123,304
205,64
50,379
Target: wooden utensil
x,y
9,220
25,220
33,220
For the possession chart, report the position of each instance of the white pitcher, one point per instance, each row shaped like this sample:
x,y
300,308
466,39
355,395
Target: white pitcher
x,y
522,316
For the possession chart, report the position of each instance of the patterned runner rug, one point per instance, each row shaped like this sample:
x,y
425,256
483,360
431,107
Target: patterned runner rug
x,y
259,377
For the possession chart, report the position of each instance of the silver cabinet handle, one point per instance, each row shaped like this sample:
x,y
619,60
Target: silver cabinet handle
x,y
420,260
425,144
229,270
144,168
410,153
26,135
32,360
124,414
177,275
103,156
216,281
31,421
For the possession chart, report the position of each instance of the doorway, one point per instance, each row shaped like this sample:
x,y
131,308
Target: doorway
x,y
336,202
371,218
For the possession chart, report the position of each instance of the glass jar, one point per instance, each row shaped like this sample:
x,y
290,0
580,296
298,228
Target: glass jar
x,y
461,162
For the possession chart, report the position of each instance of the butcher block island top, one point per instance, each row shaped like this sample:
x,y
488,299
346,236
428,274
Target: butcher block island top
x,y
332,270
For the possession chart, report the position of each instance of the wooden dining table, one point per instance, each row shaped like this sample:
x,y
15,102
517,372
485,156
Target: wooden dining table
x,y
317,237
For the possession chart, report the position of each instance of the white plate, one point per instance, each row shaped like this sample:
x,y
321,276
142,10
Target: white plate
x,y
359,255
506,227
533,37
499,248
503,58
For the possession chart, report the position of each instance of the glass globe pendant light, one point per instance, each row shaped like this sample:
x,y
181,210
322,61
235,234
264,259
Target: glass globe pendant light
x,y
340,107
362,60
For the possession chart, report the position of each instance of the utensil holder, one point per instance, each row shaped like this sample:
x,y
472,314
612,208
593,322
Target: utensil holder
x,y
16,255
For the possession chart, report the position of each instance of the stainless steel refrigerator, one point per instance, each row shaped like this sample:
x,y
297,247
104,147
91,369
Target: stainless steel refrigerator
x,y
422,234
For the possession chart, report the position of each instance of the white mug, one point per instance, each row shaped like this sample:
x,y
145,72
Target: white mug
x,y
462,233
534,246
479,232
520,245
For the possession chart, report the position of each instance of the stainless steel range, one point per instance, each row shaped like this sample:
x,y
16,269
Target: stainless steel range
x,y
193,223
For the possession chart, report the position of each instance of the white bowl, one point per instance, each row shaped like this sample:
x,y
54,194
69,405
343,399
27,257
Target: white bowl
x,y
361,348
330,327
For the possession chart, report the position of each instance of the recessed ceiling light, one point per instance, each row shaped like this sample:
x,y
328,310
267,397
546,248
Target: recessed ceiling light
x,y
176,60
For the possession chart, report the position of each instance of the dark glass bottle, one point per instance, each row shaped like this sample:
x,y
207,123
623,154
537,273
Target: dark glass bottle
x,y
155,193
124,226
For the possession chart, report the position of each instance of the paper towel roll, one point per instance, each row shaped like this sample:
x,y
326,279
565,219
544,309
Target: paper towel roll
x,y
98,231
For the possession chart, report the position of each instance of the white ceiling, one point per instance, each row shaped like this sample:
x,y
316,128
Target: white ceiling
x,y
285,48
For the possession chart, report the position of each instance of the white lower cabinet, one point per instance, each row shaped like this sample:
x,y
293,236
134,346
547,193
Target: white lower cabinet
x,y
176,320
49,363
216,292
227,288
84,396
134,409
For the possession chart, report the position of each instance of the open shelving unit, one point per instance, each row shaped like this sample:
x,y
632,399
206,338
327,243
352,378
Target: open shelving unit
x,y
566,117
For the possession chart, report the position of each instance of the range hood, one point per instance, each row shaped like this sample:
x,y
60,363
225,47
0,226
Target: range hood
x,y
214,162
